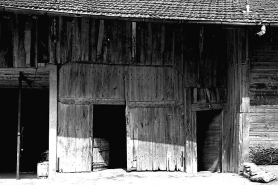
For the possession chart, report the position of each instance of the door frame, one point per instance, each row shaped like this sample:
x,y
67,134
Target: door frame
x,y
206,107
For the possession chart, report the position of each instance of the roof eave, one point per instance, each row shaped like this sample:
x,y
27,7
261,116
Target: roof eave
x,y
135,19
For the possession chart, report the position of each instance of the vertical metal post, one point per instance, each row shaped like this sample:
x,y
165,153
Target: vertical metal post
x,y
18,125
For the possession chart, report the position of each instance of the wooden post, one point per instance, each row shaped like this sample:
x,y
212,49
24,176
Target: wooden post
x,y
133,41
18,125
190,130
53,109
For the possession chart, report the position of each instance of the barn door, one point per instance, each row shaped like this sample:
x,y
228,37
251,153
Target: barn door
x,y
155,136
74,142
74,138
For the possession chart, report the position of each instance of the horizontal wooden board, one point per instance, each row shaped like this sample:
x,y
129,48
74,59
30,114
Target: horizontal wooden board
x,y
264,109
38,80
263,117
263,71
88,101
264,143
263,136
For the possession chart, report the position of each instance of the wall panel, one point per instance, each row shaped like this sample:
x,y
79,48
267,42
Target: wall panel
x,y
91,81
155,139
74,149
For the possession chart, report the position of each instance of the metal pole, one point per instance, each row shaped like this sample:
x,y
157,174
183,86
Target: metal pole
x,y
18,126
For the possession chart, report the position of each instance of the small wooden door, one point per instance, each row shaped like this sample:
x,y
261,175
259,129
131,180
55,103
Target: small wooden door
x,y
74,150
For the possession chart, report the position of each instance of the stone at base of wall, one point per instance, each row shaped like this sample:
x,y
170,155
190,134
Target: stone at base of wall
x,y
263,177
255,174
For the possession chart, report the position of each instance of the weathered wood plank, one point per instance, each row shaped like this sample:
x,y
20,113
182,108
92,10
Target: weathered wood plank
x,y
74,81
178,48
148,41
168,45
245,119
141,141
127,43
155,140
6,39
18,57
27,42
129,139
190,131
100,41
53,121
74,149
170,132
181,144
153,84
92,81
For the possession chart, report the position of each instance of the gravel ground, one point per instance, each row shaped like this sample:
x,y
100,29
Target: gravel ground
x,y
121,177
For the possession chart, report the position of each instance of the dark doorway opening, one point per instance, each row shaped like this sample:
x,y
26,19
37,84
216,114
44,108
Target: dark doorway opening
x,y
34,126
209,140
109,132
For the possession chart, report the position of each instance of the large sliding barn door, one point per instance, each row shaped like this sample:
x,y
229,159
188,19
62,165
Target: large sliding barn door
x,y
155,128
74,138
74,147
80,87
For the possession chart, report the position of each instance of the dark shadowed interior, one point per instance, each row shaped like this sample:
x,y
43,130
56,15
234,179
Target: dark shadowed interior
x,y
109,123
208,140
34,125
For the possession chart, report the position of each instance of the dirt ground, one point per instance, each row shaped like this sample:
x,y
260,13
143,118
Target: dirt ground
x,y
121,177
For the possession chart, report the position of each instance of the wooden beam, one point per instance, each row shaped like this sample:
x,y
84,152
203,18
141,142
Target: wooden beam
x,y
207,106
27,69
100,39
27,42
15,28
133,40
53,113
154,104
90,101
190,130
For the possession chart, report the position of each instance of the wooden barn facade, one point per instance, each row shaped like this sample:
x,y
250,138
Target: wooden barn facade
x,y
144,94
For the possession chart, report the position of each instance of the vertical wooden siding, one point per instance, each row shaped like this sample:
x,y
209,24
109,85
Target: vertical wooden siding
x,y
236,125
91,81
6,46
155,139
74,149
155,129
154,84
205,78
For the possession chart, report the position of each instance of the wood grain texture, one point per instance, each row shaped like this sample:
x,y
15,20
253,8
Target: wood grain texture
x,y
262,129
263,69
22,40
235,124
101,154
155,140
53,121
74,138
9,79
91,81
6,39
208,139
153,84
